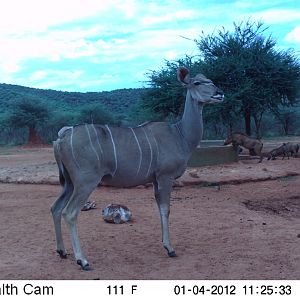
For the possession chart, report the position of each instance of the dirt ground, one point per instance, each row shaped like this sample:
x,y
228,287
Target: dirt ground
x,y
235,221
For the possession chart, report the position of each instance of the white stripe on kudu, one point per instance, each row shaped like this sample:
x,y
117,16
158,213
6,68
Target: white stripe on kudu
x,y
88,132
97,138
72,148
140,150
156,145
151,152
114,147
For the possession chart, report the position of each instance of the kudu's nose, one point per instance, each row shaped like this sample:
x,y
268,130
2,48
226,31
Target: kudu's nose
x,y
220,92
219,95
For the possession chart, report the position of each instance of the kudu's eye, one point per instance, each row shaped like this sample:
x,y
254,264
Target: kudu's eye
x,y
197,83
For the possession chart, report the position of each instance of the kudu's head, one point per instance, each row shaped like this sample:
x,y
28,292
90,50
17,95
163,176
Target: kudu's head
x,y
200,88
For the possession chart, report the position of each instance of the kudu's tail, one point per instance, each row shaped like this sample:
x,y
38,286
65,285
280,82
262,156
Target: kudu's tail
x,y
59,162
61,177
61,169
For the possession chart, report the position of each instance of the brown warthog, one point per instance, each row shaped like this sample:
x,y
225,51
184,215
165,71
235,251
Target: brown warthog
x,y
282,150
253,145
286,149
292,149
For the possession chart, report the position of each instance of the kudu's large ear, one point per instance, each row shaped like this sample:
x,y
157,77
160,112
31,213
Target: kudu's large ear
x,y
183,75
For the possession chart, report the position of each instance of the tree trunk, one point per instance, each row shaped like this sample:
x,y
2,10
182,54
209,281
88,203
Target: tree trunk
x,y
257,122
286,127
230,129
247,118
34,138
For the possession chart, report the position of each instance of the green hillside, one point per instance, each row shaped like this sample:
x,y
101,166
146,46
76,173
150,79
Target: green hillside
x,y
60,109
116,102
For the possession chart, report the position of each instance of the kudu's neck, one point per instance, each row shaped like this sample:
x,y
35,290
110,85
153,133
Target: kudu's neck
x,y
191,124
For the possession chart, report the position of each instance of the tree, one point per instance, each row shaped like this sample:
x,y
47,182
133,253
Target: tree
x,y
57,120
31,114
287,118
96,114
254,75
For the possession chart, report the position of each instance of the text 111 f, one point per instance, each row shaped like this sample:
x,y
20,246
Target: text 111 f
x,y
119,289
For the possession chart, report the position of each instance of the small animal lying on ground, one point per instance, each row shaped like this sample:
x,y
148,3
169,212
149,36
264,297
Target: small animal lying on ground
x,y
116,213
286,149
89,205
253,145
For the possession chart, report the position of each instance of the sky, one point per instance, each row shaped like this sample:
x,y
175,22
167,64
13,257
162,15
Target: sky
x,y
99,45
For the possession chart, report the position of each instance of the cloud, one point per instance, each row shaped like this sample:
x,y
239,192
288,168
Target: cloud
x,y
57,74
9,66
276,16
103,80
100,32
54,79
50,46
294,35
259,5
66,80
168,17
35,15
60,44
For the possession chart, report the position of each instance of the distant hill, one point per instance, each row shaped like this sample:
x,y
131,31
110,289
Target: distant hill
x,y
117,102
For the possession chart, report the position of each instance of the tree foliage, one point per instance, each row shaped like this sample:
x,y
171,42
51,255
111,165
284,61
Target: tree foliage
x,y
30,114
96,114
27,113
255,76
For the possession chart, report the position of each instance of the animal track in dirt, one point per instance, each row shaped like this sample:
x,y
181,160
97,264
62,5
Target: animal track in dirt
x,y
289,207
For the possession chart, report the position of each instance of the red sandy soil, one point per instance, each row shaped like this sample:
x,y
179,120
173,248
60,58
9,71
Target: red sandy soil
x,y
249,230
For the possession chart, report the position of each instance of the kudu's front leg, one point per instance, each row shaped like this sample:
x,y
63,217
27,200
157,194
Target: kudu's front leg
x,y
162,191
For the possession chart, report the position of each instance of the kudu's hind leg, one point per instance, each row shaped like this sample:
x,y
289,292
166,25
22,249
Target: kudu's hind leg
x,y
70,214
162,191
56,210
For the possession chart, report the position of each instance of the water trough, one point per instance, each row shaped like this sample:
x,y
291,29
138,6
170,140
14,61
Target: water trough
x,y
212,152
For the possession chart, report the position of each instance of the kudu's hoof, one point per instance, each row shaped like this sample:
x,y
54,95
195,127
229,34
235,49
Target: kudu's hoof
x,y
86,267
172,254
62,254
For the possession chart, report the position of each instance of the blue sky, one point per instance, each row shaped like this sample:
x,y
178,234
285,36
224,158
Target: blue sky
x,y
96,45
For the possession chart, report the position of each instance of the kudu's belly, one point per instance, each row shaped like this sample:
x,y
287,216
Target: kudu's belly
x,y
125,180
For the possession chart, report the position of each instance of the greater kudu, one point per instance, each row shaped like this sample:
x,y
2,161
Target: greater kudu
x,y
155,152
